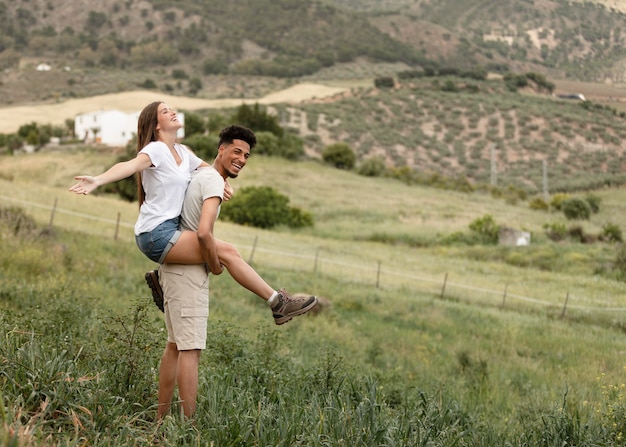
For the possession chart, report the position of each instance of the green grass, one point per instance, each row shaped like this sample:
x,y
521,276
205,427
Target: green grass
x,y
375,361
393,365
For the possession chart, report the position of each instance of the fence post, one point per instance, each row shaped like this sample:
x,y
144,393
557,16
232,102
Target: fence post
x,y
506,286
317,254
443,288
253,249
54,208
117,226
565,305
378,276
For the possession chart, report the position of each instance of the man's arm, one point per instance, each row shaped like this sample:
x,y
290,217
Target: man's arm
x,y
205,234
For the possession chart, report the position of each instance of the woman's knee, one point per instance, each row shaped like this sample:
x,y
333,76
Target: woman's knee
x,y
227,252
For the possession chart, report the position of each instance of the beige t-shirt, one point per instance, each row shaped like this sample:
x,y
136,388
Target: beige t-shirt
x,y
205,183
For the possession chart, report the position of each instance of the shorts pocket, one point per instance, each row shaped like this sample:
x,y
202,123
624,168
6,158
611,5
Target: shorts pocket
x,y
188,312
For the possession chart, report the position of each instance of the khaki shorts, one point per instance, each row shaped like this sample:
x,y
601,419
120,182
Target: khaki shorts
x,y
186,304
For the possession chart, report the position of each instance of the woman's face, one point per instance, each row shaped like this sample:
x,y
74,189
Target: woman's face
x,y
167,119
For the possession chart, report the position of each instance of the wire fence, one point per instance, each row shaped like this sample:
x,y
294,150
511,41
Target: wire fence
x,y
375,273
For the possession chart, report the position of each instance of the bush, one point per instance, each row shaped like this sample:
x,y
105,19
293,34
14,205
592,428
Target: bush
x,y
538,203
576,208
384,82
299,218
557,201
203,146
576,233
486,228
619,264
594,202
372,167
194,124
264,207
556,231
288,146
612,233
339,155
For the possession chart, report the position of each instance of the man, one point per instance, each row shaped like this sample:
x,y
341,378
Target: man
x,y
186,287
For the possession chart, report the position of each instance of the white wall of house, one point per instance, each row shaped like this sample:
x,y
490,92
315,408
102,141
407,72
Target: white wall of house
x,y
111,127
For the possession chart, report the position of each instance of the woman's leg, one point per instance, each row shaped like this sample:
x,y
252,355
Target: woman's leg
x,y
241,271
187,251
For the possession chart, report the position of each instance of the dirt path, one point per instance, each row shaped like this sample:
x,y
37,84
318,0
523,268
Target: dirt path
x,y
11,118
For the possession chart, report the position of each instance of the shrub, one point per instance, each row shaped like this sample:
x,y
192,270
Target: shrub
x,y
576,233
612,233
557,201
194,124
264,207
538,203
372,167
594,202
339,155
258,206
299,218
556,231
384,82
148,84
620,260
204,146
486,228
576,208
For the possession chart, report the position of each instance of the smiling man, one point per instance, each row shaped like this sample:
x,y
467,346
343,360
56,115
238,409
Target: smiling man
x,y
185,287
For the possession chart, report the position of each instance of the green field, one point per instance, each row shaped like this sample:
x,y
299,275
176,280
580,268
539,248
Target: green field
x,y
494,359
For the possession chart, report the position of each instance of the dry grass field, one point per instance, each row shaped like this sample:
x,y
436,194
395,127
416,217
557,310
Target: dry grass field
x,y
11,118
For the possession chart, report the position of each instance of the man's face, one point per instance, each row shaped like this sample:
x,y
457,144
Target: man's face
x,y
233,158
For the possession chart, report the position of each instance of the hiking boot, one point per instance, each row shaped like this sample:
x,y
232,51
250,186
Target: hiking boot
x,y
152,278
288,307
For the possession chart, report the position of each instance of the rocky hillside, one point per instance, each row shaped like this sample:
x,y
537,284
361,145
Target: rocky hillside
x,y
189,47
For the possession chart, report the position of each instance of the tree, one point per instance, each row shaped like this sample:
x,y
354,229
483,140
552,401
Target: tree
x,y
194,124
257,119
339,155
384,82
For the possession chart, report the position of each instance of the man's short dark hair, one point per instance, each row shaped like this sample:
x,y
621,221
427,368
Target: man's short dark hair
x,y
237,132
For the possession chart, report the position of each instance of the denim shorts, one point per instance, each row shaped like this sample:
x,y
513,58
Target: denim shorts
x,y
157,243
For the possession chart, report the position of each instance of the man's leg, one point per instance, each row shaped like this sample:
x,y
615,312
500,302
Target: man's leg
x,y
167,378
187,378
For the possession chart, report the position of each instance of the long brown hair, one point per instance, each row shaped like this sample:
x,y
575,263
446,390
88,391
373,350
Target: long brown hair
x,y
146,133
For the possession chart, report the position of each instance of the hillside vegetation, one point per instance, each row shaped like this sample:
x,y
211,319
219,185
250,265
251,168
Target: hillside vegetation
x,y
187,47
475,130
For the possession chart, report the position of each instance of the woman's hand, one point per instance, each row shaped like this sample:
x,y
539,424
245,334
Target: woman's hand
x,y
86,184
228,191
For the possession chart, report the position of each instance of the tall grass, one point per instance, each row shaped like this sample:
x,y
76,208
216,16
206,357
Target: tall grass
x,y
79,360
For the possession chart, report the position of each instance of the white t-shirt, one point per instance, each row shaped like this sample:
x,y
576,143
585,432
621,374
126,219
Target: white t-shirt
x,y
205,183
165,184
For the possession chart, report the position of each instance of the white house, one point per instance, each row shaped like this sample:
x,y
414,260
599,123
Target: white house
x,y
111,127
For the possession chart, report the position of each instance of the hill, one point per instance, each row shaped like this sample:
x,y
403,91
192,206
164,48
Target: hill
x,y
186,48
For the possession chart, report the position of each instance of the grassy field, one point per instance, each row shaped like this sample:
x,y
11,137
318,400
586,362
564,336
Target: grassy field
x,y
353,214
397,364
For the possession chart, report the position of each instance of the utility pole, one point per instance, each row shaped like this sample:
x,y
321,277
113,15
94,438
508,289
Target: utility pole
x,y
546,196
494,166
